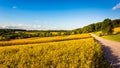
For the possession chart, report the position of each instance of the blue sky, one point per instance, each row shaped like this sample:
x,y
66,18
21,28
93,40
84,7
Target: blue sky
x,y
56,14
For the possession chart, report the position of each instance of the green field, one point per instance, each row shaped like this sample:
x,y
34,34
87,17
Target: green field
x,y
115,37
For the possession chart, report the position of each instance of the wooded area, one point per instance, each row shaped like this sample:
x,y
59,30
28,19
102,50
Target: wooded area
x,y
105,26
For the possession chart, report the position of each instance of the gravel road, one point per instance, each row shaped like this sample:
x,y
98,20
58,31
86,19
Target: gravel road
x,y
111,50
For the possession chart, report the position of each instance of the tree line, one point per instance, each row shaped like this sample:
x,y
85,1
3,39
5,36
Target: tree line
x,y
8,34
105,26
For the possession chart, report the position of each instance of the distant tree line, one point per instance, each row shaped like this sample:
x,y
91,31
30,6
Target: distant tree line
x,y
8,34
105,26
47,30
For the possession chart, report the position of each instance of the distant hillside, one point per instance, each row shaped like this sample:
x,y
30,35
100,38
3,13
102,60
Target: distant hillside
x,y
104,26
12,29
47,30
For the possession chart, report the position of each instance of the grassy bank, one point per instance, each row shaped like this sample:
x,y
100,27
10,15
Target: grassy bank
x,y
115,37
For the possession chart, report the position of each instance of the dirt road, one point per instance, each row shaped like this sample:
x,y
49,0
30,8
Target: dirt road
x,y
111,50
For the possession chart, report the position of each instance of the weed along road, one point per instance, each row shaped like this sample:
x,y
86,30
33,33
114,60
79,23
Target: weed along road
x,y
111,50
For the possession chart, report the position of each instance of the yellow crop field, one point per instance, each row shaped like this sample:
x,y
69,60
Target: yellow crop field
x,y
82,53
116,30
42,40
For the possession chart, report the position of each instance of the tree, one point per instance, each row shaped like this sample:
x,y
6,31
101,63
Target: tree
x,y
107,26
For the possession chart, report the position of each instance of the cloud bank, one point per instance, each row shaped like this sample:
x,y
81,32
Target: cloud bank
x,y
27,27
116,7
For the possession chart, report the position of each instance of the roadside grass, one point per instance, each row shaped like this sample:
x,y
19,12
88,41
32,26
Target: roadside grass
x,y
115,37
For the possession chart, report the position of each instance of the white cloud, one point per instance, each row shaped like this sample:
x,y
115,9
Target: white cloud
x,y
116,7
14,7
27,27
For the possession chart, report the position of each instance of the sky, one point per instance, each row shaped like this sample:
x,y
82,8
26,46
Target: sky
x,y
56,14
